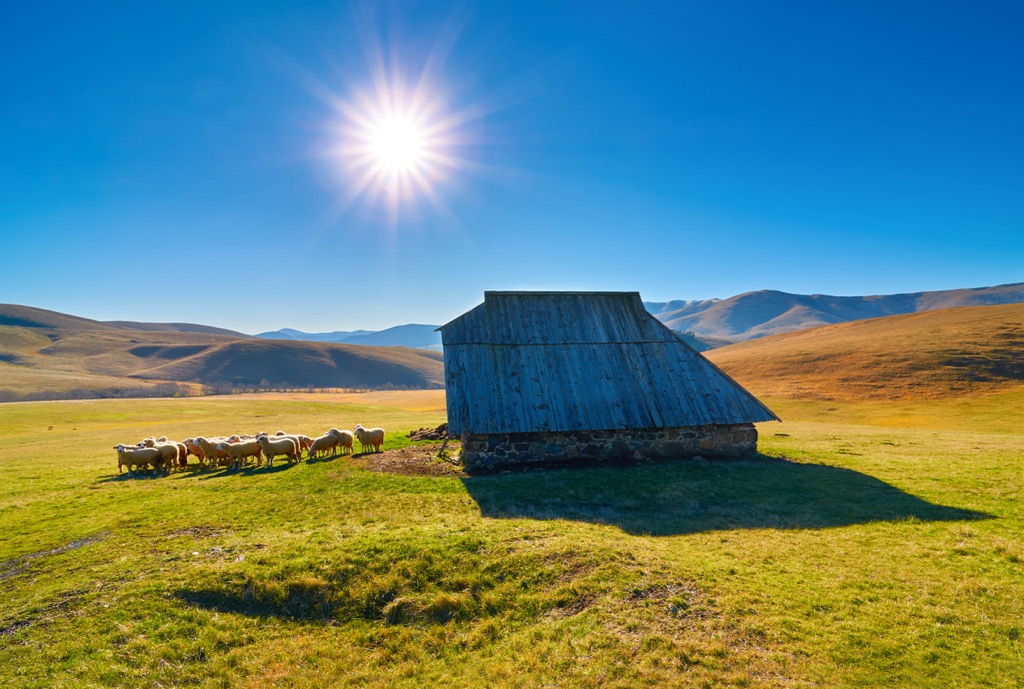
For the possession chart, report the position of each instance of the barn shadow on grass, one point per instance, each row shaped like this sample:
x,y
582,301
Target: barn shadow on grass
x,y
684,497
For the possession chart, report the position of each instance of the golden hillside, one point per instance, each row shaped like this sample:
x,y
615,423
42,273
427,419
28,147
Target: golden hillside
x,y
48,355
934,354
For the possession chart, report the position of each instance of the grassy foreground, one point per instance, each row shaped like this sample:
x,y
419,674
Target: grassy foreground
x,y
886,550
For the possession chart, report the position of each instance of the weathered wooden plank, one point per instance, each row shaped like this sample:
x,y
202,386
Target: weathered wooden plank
x,y
574,361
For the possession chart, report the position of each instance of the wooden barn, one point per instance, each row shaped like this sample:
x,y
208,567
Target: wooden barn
x,y
585,377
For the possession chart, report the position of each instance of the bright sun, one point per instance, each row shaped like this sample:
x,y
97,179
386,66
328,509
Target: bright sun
x,y
398,145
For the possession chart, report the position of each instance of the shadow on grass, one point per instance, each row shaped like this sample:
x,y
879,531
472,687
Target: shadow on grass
x,y
248,470
245,603
328,458
674,498
137,476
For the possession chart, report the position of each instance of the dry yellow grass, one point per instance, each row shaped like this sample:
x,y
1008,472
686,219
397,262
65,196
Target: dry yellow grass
x,y
932,355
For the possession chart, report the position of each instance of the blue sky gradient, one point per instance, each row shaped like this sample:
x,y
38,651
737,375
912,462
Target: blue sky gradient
x,y
176,161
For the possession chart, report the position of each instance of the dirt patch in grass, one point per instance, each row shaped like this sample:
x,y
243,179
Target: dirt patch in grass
x,y
201,531
50,612
413,460
16,565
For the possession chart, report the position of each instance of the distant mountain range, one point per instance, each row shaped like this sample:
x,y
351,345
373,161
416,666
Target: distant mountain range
x,y
767,312
717,322
412,335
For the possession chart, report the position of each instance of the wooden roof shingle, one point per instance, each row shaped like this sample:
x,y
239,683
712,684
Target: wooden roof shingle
x,y
572,361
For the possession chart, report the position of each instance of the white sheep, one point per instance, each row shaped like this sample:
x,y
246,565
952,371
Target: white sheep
x,y
215,455
168,451
369,437
304,441
345,440
281,445
138,456
241,451
325,444
176,456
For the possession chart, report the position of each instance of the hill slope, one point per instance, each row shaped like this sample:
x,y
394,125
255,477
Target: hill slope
x,y
31,317
935,354
273,363
767,312
48,355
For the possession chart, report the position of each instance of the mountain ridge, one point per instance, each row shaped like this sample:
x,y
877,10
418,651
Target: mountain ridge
x,y
716,322
770,312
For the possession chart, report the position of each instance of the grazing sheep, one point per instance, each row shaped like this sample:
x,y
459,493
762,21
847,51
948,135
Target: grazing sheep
x,y
217,456
195,449
369,437
180,455
138,456
168,451
325,444
304,441
241,451
345,440
283,445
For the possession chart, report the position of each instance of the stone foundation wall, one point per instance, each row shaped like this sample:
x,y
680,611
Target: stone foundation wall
x,y
482,453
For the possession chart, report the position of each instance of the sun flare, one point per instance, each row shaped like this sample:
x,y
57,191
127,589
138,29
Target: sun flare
x,y
399,145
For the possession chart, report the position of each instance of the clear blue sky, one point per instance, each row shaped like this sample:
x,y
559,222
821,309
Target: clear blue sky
x,y
186,161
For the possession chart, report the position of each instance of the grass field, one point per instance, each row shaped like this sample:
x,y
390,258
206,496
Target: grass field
x,y
885,550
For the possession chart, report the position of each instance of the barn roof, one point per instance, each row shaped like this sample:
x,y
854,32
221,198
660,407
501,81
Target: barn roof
x,y
571,361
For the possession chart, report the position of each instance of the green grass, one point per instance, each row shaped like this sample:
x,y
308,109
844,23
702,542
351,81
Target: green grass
x,y
886,550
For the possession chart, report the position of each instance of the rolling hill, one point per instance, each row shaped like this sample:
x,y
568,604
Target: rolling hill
x,y
768,312
48,355
931,354
31,317
934,354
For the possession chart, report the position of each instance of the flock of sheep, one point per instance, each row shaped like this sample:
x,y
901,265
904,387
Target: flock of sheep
x,y
235,451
